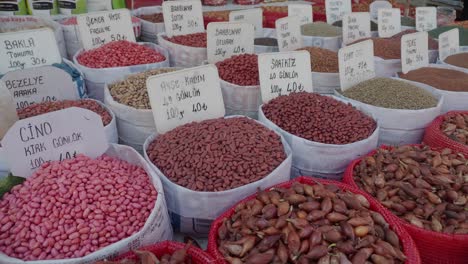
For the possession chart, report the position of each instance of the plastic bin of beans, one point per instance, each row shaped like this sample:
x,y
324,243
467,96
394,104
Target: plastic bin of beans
x,y
116,59
322,35
425,190
265,45
443,80
240,84
325,134
207,166
324,64
403,109
128,99
309,220
152,22
84,209
185,50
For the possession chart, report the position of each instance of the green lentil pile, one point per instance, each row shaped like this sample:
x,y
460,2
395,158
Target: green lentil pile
x,y
373,25
392,94
408,21
320,29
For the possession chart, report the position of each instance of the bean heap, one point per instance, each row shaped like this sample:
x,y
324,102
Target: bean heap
x,y
221,15
391,93
132,91
322,60
46,107
320,29
319,118
443,79
119,54
217,154
155,18
147,257
456,127
427,188
308,224
197,40
240,69
459,60
72,208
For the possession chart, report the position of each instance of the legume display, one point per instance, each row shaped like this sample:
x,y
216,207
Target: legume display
x,y
322,60
240,69
456,127
197,40
459,60
443,79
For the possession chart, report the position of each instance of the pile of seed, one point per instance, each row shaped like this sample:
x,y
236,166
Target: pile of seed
x,y
319,118
391,93
459,60
322,60
456,127
240,69
197,40
270,42
46,107
320,29
132,91
217,154
373,25
443,79
222,15
155,18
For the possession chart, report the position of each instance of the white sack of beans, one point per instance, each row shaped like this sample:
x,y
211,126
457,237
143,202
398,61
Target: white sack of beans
x,y
149,30
241,100
182,56
325,82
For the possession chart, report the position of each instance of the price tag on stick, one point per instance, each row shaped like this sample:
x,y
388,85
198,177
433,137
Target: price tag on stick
x,y
53,136
356,26
183,17
302,11
99,28
185,96
226,39
356,63
449,43
426,18
414,51
27,49
282,73
288,32
336,9
389,22
252,16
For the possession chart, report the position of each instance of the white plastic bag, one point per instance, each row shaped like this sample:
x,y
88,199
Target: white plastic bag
x,y
388,68
325,82
241,100
327,161
149,30
96,78
183,56
192,212
331,43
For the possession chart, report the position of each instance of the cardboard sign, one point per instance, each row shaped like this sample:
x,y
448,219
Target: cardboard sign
x,y
288,33
356,26
99,28
282,73
183,17
414,51
41,84
449,43
302,11
356,63
389,22
27,49
185,96
253,16
426,18
226,39
336,9
53,136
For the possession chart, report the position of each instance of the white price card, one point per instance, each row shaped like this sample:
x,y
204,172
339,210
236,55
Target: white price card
x,y
426,18
57,135
40,84
336,9
302,11
414,51
26,49
288,33
449,43
282,73
389,22
99,28
225,39
356,26
253,16
183,17
356,63
184,96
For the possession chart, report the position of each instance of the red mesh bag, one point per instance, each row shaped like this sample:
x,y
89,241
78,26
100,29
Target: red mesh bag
x,y
434,247
168,247
434,137
409,247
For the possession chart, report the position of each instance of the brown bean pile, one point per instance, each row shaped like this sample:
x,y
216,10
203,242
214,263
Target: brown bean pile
x,y
155,18
196,40
240,69
443,79
456,127
217,154
221,15
319,118
322,60
427,188
308,224
179,256
132,91
46,107
459,60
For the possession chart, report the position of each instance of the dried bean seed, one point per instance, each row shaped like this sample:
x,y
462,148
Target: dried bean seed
x,y
197,40
443,79
456,128
322,60
240,69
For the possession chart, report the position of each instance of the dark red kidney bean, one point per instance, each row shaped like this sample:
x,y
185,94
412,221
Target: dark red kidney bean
x,y
240,69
